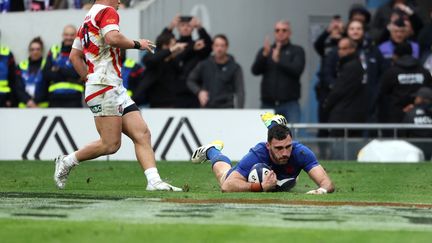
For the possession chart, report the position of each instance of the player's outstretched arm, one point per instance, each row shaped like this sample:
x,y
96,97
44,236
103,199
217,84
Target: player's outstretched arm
x,y
320,177
237,183
116,39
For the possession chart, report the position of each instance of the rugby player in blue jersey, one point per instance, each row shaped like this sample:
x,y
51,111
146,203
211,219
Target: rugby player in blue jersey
x,y
285,157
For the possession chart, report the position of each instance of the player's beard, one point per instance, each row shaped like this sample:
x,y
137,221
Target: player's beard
x,y
278,160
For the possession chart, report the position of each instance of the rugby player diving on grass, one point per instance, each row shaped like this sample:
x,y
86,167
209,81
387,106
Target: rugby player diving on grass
x,y
285,157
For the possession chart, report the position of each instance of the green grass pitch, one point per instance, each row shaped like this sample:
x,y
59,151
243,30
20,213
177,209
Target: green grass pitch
x,y
107,202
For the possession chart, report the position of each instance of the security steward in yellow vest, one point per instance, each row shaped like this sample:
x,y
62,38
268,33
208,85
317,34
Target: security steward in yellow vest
x,y
10,92
29,74
62,86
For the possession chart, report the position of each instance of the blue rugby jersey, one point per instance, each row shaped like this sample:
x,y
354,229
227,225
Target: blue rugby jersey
x,y
302,158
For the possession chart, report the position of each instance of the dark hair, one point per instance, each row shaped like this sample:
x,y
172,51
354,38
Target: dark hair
x,y
353,44
37,40
278,132
403,49
164,39
360,9
221,36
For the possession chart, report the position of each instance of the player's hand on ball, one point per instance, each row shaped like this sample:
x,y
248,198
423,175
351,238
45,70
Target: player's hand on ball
x,y
318,191
269,182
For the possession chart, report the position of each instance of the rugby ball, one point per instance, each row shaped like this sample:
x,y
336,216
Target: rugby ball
x,y
258,172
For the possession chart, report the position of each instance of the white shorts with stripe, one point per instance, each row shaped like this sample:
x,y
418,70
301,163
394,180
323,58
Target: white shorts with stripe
x,y
104,100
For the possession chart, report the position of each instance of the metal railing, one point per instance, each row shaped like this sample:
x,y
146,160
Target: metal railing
x,y
346,147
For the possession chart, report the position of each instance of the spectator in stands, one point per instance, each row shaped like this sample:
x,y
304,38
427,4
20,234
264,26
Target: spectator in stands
x,y
8,87
406,9
281,65
347,99
11,6
62,86
360,13
371,60
163,72
29,74
398,34
400,82
324,45
195,51
420,113
218,80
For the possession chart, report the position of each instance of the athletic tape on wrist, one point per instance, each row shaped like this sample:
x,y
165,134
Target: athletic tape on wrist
x,y
256,187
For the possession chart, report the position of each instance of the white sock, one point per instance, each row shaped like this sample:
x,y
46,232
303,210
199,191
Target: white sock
x,y
71,159
152,175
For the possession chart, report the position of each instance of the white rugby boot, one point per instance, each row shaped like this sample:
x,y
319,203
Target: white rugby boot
x,y
162,186
269,117
200,154
61,172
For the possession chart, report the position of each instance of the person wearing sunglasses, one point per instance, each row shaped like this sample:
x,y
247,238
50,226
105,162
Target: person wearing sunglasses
x,y
281,65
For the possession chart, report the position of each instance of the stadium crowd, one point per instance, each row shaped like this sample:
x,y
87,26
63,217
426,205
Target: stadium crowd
x,y
44,5
370,71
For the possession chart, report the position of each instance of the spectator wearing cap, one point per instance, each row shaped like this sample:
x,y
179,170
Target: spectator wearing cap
x,y
398,35
407,9
195,51
399,83
420,113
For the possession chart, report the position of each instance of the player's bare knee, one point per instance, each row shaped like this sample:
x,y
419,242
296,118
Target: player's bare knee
x,y
112,147
225,187
142,137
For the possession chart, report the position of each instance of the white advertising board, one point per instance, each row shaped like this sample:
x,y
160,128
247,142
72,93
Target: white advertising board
x,y
33,134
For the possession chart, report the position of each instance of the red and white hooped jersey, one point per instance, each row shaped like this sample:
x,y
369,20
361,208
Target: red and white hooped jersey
x,y
103,61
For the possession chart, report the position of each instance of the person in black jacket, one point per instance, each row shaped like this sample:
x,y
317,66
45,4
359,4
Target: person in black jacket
x,y
162,72
347,100
281,65
420,113
218,80
371,60
399,83
194,52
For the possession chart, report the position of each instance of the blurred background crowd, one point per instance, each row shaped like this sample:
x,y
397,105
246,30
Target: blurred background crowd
x,y
374,67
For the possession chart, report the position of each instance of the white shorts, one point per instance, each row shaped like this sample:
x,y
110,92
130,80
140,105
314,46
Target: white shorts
x,y
104,100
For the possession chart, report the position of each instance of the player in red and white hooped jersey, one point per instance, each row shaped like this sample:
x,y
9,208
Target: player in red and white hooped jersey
x,y
103,60
99,41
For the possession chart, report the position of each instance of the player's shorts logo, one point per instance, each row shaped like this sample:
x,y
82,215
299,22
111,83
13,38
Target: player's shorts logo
x,y
96,108
120,109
